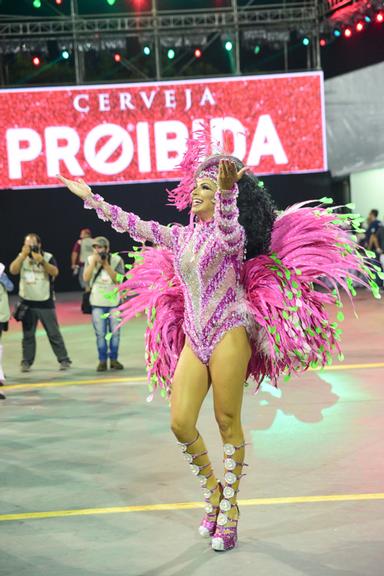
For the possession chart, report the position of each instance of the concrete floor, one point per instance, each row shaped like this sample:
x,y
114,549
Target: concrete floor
x,y
80,450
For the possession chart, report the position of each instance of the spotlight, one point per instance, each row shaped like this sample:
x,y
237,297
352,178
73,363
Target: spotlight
x,y
117,57
36,3
65,54
111,2
198,53
59,2
337,32
347,32
380,17
306,41
228,46
171,54
323,42
147,50
36,61
367,19
359,26
257,49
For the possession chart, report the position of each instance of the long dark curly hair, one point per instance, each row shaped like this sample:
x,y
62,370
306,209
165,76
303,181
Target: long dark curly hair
x,y
256,208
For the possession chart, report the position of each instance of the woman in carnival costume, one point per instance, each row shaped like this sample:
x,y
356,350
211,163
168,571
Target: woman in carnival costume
x,y
230,296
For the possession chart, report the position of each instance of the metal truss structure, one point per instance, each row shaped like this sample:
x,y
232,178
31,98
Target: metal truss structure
x,y
301,15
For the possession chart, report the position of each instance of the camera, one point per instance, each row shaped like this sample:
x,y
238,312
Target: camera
x,y
103,256
35,248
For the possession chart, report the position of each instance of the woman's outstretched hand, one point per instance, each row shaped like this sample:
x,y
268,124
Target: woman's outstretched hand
x,y
228,175
78,187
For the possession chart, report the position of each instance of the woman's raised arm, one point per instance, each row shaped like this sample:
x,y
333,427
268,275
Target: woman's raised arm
x,y
139,230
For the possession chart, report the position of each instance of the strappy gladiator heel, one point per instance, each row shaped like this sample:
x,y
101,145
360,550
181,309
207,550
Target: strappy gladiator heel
x,y
207,527
225,537
208,524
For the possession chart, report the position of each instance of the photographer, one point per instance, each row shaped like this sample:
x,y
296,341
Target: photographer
x,y
5,286
101,272
37,270
79,255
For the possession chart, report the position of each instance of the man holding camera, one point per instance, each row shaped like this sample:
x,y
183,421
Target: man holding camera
x,y
37,270
102,272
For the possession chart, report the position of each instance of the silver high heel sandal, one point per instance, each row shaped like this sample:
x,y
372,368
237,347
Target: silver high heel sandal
x,y
225,537
208,524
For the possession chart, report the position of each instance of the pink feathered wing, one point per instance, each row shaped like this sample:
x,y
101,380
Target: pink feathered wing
x,y
152,286
288,320
292,330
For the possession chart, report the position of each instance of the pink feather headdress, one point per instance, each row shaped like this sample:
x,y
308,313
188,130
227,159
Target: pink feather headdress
x,y
199,160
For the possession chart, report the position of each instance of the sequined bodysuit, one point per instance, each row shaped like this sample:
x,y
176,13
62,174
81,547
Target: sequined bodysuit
x,y
207,258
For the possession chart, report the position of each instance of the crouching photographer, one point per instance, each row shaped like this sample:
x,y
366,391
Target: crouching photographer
x,y
37,270
102,271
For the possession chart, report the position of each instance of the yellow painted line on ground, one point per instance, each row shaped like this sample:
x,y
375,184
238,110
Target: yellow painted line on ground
x,y
351,366
136,379
75,383
187,506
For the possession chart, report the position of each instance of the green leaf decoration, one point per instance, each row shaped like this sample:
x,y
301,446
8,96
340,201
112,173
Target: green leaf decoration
x,y
326,200
340,316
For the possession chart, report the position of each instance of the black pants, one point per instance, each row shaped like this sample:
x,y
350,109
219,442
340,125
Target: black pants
x,y
48,318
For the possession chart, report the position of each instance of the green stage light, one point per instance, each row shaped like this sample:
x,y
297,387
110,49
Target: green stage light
x,y
257,49
171,54
111,2
37,3
65,54
228,46
306,41
147,50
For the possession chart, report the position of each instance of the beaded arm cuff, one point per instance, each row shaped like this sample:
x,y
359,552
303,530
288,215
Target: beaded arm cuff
x,y
230,232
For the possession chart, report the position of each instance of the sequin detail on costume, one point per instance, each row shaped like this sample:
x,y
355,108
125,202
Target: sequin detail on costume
x,y
208,259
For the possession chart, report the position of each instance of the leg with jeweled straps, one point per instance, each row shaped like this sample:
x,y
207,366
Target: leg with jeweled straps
x,y
225,536
228,369
189,388
197,457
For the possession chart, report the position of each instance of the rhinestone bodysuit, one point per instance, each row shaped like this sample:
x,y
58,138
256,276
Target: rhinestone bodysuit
x,y
208,258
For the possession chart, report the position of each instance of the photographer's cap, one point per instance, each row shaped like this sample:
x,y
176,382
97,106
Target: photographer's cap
x,y
100,241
